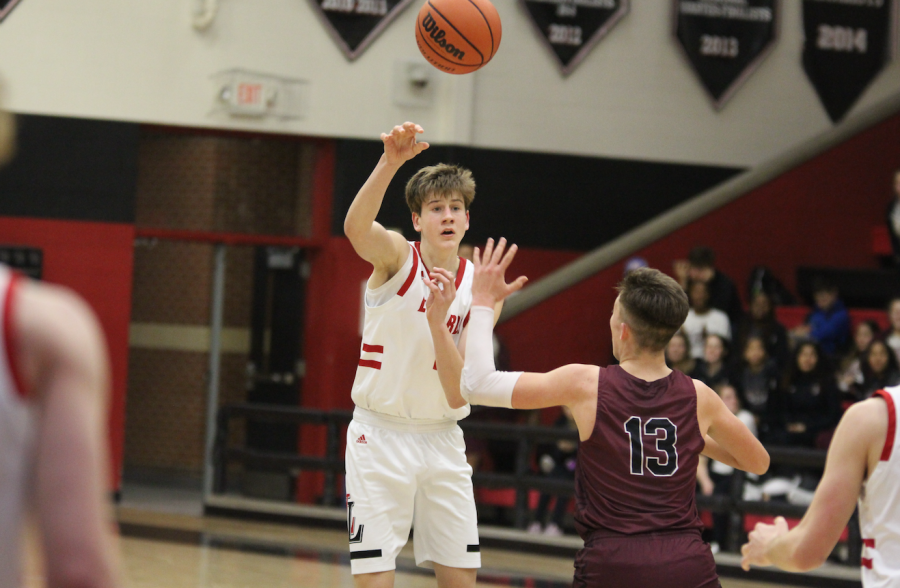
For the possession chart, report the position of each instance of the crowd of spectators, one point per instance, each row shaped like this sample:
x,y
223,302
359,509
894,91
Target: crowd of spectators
x,y
790,386
795,383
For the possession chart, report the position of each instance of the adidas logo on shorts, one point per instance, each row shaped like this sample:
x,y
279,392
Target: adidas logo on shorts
x,y
362,439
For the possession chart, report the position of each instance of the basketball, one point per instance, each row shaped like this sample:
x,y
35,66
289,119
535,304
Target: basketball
x,y
458,36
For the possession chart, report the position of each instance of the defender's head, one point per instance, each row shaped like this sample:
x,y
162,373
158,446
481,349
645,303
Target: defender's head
x,y
439,197
650,308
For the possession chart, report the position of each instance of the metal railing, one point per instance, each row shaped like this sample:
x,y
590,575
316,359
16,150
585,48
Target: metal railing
x,y
522,479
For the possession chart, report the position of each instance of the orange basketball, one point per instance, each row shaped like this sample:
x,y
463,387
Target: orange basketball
x,y
458,36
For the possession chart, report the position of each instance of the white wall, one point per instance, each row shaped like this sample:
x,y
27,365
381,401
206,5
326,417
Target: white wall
x,y
634,96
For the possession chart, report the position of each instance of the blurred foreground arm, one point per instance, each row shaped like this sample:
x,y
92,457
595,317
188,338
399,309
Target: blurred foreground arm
x,y
63,359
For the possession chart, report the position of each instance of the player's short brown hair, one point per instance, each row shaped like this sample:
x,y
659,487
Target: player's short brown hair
x,y
653,305
441,180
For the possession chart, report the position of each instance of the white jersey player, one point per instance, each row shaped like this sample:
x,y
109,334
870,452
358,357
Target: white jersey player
x,y
405,453
863,465
53,387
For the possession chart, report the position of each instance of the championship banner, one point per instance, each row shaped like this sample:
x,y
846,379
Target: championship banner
x,y
354,24
725,40
571,28
6,7
847,44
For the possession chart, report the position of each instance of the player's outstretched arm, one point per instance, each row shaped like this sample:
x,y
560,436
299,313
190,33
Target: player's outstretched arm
x,y
63,359
728,440
857,443
380,247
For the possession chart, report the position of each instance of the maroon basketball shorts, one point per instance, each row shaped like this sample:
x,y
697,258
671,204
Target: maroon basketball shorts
x,y
649,560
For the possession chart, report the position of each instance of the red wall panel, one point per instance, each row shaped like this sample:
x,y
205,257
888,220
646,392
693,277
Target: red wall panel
x,y
820,213
95,260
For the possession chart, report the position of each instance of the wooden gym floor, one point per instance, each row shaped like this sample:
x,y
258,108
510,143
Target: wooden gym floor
x,y
166,550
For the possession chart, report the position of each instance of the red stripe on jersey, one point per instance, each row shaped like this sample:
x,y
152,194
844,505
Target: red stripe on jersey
x,y
373,348
369,363
460,271
869,543
411,276
892,425
12,358
466,322
866,563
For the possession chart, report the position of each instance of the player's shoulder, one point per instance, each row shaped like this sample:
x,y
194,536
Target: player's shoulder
x,y
55,316
871,415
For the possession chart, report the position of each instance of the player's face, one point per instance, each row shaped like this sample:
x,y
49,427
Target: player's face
x,y
443,222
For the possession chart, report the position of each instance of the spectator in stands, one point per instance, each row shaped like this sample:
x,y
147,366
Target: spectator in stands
x,y
829,323
713,370
893,334
757,377
810,404
678,354
761,322
715,478
879,368
893,219
559,463
701,267
850,375
702,319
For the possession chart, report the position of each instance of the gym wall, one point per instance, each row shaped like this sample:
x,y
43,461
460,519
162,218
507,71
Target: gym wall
x,y
634,97
70,192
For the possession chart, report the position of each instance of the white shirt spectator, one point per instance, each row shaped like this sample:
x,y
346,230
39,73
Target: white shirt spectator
x,y
698,326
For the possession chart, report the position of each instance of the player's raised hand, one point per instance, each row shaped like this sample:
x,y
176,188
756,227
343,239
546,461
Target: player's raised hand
x,y
489,283
400,144
443,292
754,551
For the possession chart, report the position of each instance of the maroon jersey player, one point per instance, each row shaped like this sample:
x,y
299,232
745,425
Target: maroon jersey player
x,y
642,428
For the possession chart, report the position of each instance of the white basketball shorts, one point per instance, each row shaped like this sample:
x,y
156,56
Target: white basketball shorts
x,y
401,474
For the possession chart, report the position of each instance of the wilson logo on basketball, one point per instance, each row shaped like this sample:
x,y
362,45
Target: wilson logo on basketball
x,y
362,439
437,35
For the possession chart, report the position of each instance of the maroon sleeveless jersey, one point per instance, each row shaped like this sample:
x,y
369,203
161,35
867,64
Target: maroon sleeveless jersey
x,y
637,471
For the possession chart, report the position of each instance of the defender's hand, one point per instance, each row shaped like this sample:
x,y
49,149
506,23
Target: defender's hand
x,y
443,292
754,551
489,283
400,144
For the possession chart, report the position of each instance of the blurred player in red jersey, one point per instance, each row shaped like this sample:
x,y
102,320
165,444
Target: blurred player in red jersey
x,y
642,425
54,385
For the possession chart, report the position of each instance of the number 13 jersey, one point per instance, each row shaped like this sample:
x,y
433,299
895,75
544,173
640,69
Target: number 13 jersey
x,y
397,374
637,471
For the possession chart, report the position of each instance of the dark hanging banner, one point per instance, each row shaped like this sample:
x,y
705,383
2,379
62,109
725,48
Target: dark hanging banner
x,y
354,24
6,7
725,40
571,28
847,44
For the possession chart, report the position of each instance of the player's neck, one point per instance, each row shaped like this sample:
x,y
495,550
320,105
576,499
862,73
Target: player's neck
x,y
433,257
645,365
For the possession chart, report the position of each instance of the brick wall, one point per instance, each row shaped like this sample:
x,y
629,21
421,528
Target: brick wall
x,y
205,183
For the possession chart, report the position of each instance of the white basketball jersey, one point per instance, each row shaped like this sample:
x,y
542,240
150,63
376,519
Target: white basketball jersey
x,y
16,445
879,508
397,374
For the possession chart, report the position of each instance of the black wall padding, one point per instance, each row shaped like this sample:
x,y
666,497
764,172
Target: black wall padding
x,y
68,168
534,199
